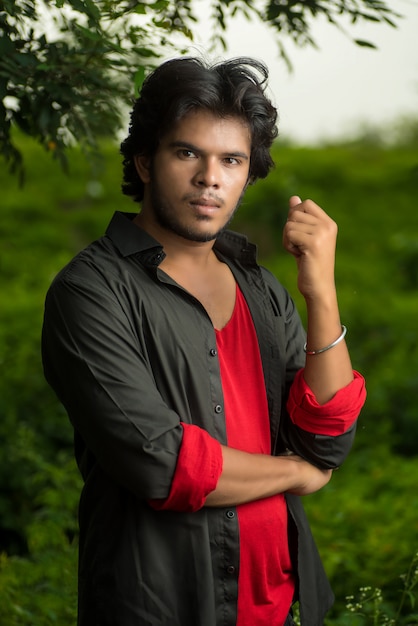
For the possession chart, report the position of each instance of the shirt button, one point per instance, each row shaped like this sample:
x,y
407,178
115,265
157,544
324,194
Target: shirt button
x,y
230,514
230,569
218,408
213,352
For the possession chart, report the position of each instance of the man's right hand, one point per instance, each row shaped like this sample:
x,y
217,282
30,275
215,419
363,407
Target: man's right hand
x,y
310,479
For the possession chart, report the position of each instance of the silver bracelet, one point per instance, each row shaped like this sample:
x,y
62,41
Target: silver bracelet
x,y
331,345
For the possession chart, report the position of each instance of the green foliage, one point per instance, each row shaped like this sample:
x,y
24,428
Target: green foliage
x,y
365,520
41,588
68,68
369,606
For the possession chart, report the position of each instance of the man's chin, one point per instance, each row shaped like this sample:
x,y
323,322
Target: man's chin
x,y
201,237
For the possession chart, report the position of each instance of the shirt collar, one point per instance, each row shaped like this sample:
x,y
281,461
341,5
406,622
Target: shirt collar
x,y
130,239
232,244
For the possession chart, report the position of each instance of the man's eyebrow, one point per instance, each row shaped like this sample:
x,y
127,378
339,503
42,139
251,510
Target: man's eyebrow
x,y
193,148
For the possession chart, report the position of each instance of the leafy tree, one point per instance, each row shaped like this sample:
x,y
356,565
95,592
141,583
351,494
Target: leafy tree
x,y
69,67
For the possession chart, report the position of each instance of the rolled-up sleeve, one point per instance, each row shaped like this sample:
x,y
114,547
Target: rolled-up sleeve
x,y
198,469
333,418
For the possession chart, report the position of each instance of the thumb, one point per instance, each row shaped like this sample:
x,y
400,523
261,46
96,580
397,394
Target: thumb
x,y
294,201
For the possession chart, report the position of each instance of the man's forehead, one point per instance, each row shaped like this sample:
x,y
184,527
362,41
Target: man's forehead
x,y
209,123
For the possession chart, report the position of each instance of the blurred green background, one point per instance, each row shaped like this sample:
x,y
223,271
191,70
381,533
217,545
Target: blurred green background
x,y
366,520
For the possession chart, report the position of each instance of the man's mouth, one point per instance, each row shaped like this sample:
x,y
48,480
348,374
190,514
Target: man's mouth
x,y
206,201
205,205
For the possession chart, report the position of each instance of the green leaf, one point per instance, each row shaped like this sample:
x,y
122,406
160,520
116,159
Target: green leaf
x,y
365,44
140,8
87,7
93,35
160,5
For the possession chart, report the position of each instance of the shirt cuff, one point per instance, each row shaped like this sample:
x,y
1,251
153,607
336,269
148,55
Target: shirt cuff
x,y
334,417
199,466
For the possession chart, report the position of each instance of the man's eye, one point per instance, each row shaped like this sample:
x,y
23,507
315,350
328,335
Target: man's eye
x,y
232,160
186,154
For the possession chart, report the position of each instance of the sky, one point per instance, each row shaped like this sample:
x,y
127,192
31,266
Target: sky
x,y
335,89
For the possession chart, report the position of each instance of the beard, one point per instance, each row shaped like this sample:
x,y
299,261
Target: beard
x,y
168,219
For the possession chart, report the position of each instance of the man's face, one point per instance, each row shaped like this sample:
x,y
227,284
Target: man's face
x,y
197,176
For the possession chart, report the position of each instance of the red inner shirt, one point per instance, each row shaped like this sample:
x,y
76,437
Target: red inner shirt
x,y
266,581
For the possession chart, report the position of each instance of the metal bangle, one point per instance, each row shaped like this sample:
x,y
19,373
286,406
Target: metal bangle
x,y
331,345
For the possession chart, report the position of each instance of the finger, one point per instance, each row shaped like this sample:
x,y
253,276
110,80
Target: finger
x,y
297,216
308,206
294,201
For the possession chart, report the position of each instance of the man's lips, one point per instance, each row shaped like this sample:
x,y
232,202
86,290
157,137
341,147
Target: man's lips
x,y
205,205
206,202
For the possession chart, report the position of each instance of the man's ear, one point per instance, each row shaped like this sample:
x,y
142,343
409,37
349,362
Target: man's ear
x,y
142,164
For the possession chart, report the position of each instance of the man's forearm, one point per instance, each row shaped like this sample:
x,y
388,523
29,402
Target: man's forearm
x,y
246,477
329,371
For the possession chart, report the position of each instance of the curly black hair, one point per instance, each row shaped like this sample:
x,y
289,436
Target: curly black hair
x,y
233,88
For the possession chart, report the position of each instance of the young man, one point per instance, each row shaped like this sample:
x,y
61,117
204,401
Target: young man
x,y
200,413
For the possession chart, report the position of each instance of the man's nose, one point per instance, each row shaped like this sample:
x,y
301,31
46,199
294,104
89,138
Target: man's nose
x,y
209,173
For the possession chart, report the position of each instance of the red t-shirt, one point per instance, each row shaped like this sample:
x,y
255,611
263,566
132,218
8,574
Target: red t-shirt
x,y
266,581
